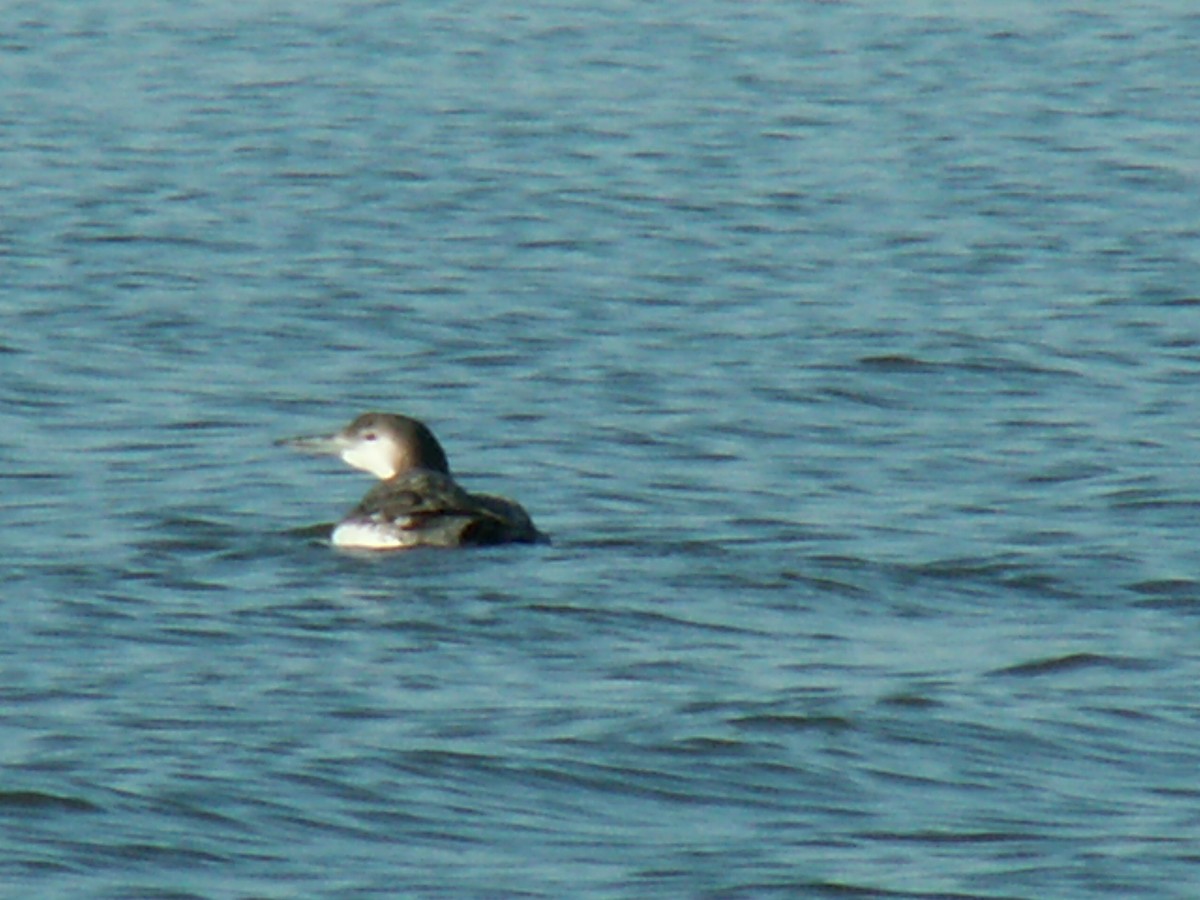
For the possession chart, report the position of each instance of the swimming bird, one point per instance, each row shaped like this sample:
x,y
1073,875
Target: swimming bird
x,y
417,502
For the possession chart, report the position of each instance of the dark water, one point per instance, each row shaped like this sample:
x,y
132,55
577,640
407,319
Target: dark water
x,y
849,352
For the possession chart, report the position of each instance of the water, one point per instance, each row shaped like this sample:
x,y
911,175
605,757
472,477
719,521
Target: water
x,y
848,352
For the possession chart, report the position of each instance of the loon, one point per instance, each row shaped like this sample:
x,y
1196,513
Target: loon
x,y
417,503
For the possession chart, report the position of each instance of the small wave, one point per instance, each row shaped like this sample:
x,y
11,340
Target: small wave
x,y
1070,663
1169,589
776,722
26,801
897,363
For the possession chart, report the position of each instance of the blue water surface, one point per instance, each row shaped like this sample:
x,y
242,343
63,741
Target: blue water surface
x,y
847,351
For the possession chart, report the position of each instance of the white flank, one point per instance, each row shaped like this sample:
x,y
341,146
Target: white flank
x,y
371,536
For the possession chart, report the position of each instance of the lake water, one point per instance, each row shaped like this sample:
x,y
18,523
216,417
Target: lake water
x,y
848,351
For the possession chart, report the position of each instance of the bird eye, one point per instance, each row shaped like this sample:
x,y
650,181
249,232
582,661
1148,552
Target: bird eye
x,y
370,436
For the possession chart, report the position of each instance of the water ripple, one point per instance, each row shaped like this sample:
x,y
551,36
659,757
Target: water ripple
x,y
868,462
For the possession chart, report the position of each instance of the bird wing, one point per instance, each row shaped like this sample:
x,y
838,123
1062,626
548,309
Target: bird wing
x,y
414,498
434,503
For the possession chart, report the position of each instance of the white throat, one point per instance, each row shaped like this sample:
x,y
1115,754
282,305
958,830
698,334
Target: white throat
x,y
377,457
